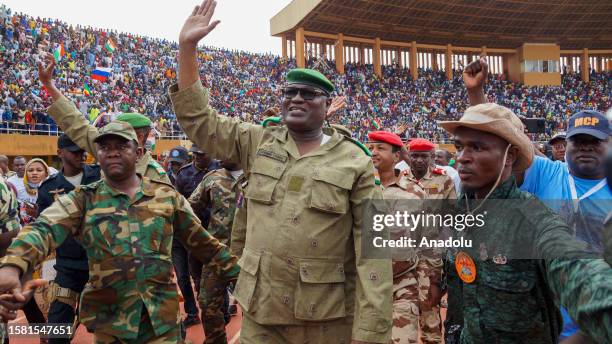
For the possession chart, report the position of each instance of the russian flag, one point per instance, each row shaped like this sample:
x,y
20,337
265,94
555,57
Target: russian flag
x,y
101,73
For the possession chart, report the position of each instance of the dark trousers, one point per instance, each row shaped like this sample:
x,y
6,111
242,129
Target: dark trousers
x,y
180,259
33,313
195,269
59,312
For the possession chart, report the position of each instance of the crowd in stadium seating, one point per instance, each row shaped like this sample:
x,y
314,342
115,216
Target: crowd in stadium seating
x,y
245,84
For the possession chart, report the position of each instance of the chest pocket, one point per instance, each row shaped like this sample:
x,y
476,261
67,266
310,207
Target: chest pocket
x,y
264,178
109,226
508,300
157,225
330,191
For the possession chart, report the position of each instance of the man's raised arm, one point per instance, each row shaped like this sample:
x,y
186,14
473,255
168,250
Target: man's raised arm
x,y
64,112
475,77
223,137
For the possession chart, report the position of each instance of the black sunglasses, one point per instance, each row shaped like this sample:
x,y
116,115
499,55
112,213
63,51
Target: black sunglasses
x,y
307,94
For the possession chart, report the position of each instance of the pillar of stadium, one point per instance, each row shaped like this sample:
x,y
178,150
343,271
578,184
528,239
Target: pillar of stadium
x,y
603,61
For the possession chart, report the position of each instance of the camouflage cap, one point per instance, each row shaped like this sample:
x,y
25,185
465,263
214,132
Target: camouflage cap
x,y
117,128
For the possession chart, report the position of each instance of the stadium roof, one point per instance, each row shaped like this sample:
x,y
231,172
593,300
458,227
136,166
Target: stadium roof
x,y
573,24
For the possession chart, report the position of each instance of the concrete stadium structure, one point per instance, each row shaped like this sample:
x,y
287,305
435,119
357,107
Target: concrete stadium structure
x,y
529,41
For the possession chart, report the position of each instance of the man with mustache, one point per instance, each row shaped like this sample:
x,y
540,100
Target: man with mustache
x,y
304,277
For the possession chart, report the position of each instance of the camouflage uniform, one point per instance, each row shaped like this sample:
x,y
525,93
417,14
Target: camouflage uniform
x,y
437,185
128,244
405,278
510,300
303,275
76,126
9,209
217,193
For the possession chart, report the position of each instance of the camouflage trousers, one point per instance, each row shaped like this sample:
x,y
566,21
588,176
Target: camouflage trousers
x,y
328,332
430,322
212,301
146,334
405,309
411,305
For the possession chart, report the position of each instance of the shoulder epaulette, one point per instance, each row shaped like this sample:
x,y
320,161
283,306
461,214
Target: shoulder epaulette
x,y
438,171
155,181
157,167
267,121
360,145
89,187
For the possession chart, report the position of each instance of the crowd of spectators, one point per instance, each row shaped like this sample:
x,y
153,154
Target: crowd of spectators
x,y
245,84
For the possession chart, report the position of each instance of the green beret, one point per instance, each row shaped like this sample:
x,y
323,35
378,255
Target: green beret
x,y
310,77
117,128
136,120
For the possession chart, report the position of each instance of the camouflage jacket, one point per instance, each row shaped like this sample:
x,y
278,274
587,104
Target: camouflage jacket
x,y
217,194
9,209
128,244
435,182
302,261
510,300
77,127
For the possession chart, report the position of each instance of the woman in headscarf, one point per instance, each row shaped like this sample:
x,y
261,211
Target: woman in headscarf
x,y
37,172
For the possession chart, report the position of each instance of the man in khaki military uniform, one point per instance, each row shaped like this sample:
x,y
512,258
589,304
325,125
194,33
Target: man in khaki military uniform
x,y
76,126
438,186
303,277
386,149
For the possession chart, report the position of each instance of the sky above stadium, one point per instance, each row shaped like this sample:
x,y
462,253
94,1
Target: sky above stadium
x,y
245,24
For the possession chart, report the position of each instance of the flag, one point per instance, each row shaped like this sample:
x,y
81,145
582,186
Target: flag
x,y
376,124
101,73
110,46
86,90
59,52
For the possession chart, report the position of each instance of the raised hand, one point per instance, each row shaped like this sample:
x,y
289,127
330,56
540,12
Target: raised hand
x,y
338,103
198,25
401,129
475,74
45,69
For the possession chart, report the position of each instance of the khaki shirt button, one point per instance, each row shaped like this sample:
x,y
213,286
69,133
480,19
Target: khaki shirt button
x,y
314,243
289,261
285,299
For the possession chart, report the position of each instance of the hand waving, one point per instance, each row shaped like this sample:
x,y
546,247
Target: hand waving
x,y
338,103
45,69
198,25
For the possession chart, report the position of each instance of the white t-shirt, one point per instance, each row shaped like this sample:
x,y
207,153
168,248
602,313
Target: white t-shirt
x,y
76,180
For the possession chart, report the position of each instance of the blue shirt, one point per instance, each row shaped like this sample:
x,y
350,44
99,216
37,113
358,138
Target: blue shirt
x,y
549,181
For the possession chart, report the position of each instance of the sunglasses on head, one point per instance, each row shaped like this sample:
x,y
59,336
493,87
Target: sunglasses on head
x,y
307,94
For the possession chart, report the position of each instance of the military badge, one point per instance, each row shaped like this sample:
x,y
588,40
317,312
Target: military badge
x,y
465,266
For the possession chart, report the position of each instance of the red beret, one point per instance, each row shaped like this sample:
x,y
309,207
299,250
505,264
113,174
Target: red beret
x,y
421,145
386,137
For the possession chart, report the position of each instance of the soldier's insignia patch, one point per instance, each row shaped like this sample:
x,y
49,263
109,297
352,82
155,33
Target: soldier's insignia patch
x,y
295,183
465,266
483,252
272,155
500,259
